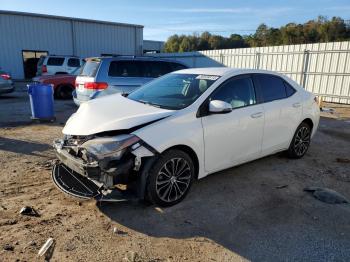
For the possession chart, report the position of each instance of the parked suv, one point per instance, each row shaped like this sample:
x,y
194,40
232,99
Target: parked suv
x,y
54,65
121,74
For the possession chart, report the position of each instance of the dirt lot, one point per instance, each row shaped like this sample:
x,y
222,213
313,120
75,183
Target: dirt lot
x,y
257,211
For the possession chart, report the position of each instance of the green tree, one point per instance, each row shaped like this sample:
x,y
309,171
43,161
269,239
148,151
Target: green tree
x,y
318,30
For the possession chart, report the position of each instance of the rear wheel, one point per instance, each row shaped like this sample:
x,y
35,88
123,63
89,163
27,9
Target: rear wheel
x,y
64,92
170,178
301,141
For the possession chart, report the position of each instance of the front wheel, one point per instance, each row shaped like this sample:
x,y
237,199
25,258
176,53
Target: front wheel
x,y
300,142
170,178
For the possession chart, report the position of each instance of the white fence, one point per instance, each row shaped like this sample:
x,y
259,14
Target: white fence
x,y
322,68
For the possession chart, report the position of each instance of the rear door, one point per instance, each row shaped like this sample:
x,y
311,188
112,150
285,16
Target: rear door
x,y
154,69
125,75
283,111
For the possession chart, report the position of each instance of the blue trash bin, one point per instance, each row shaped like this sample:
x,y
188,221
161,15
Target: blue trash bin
x,y
41,102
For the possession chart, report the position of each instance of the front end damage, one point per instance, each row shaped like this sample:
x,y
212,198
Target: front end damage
x,y
98,166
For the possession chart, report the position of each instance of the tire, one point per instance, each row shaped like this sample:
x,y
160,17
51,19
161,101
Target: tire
x,y
166,186
63,92
300,142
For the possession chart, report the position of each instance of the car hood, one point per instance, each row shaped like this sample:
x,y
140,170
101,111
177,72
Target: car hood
x,y
109,113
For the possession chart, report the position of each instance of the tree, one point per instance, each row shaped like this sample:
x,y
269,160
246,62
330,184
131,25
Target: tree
x,y
172,44
313,31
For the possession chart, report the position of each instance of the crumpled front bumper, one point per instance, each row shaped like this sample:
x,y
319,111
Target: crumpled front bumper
x,y
74,163
76,177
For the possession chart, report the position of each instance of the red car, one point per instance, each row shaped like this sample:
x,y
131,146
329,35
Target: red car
x,y
63,84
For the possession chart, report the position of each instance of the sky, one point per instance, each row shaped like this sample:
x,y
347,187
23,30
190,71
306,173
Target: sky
x,y
164,18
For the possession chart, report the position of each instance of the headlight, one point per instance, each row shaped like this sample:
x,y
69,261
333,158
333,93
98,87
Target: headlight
x,y
110,146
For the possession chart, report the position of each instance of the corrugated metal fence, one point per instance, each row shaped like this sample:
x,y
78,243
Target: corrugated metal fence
x,y
322,68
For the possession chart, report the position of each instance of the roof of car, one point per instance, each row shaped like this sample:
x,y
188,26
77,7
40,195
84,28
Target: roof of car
x,y
221,71
131,57
135,58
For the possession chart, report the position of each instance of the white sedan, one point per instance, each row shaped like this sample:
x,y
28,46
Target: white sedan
x,y
183,126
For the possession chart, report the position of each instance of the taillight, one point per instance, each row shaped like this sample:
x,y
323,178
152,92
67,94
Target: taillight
x,y
95,85
5,76
44,69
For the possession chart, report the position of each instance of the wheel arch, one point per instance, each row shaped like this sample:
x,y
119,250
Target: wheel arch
x,y
62,85
309,122
190,152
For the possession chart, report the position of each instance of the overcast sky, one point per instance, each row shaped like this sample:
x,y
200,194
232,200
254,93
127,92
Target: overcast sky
x,y
163,18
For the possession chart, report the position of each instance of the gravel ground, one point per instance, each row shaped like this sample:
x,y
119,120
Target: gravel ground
x,y
255,212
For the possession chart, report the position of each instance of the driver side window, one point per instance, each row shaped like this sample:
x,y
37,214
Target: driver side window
x,y
238,92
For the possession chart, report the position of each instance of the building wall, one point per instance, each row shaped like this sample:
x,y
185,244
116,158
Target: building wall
x,y
322,68
95,39
62,36
151,45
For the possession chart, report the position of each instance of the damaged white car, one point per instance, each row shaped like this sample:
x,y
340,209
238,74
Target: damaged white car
x,y
156,141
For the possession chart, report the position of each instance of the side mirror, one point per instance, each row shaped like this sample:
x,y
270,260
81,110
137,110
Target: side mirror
x,y
219,107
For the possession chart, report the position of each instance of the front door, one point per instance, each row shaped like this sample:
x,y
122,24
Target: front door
x,y
234,137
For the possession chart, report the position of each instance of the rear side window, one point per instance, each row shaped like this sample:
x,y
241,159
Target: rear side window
x,y
73,62
272,87
155,69
289,89
55,61
124,69
90,68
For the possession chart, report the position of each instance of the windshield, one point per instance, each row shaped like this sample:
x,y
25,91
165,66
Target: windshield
x,y
173,91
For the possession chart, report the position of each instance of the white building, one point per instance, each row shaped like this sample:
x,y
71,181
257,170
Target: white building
x,y
26,36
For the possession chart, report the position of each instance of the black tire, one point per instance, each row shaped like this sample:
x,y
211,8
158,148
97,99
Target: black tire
x,y
169,188
300,142
63,92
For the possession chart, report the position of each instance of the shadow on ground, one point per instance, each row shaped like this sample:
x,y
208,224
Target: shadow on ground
x,y
22,147
242,210
6,97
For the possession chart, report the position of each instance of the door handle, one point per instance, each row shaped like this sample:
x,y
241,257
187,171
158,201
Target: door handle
x,y
256,115
296,105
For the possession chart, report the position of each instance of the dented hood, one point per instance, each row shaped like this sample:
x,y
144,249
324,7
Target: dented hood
x,y
109,113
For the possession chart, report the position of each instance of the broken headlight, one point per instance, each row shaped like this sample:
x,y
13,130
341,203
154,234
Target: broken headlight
x,y
109,146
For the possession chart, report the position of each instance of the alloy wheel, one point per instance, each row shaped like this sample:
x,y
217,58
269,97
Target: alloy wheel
x,y
173,179
302,141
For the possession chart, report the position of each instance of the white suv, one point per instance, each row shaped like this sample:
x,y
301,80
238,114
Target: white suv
x,y
54,65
